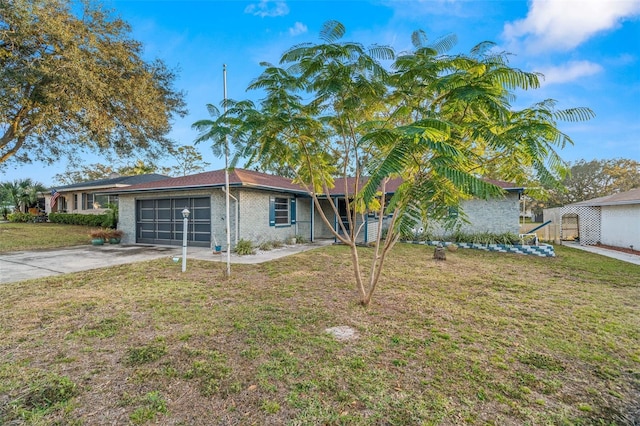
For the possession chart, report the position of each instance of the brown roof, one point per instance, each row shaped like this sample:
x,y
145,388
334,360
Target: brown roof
x,y
250,178
504,185
628,197
393,184
216,178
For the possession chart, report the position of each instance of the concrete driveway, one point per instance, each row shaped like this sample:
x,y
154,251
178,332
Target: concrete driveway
x,y
26,265
625,257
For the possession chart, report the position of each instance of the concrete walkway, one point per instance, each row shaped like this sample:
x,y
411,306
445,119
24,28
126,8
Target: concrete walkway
x,y
26,265
625,257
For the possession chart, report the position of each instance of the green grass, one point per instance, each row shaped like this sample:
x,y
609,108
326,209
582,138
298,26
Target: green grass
x,y
481,338
33,236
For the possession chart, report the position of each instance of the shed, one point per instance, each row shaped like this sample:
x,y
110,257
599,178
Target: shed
x,y
613,220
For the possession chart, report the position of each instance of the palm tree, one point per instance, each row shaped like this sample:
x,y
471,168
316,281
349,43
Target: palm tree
x,y
22,193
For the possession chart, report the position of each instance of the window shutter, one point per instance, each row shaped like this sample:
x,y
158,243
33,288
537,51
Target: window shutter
x,y
453,212
84,201
272,211
292,207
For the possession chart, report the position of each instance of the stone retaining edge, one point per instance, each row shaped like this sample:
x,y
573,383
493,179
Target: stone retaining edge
x,y
542,250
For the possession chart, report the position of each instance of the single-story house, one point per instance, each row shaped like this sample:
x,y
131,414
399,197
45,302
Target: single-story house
x,y
262,207
83,198
613,220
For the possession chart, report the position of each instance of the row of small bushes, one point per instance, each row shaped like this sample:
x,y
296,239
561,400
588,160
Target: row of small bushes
x,y
245,247
21,217
102,220
465,237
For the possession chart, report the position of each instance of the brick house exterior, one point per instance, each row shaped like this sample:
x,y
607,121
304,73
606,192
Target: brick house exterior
x,y
262,208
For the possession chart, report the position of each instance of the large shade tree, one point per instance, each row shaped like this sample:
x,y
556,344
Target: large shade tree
x,y
438,122
187,161
596,178
72,79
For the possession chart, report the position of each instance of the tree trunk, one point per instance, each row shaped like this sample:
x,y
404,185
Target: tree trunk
x,y
355,261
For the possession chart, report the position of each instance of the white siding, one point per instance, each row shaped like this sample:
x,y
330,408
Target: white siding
x,y
620,225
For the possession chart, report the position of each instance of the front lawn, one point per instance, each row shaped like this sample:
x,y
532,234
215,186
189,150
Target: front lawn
x,y
33,236
481,338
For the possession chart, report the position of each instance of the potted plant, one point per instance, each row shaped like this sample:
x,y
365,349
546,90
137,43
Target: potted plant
x,y
98,236
114,236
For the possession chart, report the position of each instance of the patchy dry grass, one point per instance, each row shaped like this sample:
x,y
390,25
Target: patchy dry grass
x,y
482,338
33,236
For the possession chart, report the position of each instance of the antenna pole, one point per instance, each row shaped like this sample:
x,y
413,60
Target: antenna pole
x,y
226,175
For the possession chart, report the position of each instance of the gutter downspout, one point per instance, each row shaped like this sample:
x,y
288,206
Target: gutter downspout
x,y
313,212
237,223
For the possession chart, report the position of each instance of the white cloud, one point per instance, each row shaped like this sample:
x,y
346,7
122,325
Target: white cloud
x,y
565,24
268,8
298,28
570,71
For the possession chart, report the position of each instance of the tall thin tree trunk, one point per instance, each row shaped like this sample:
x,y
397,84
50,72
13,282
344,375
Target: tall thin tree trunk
x,y
355,260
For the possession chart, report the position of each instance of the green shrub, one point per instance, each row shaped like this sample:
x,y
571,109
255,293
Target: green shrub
x,y
98,220
484,238
265,246
111,216
244,247
299,239
20,217
459,236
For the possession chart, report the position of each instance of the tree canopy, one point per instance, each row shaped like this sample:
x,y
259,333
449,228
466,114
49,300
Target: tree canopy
x,y
78,172
187,161
439,122
596,178
72,81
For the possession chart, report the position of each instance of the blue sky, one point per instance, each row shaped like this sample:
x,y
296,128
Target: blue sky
x,y
588,50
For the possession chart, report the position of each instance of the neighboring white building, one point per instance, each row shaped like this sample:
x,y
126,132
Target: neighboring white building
x,y
613,220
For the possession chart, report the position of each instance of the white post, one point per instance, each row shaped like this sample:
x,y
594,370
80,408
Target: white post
x,y
226,176
185,226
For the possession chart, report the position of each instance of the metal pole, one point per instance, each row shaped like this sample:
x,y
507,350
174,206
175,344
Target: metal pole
x,y
226,175
185,225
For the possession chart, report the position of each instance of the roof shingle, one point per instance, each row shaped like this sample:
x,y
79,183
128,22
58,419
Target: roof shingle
x,y
250,178
628,197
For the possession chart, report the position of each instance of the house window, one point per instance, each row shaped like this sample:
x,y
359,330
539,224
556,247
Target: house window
x,y
105,200
282,211
62,204
75,202
281,208
87,201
